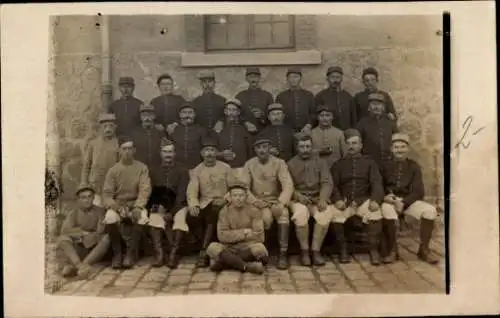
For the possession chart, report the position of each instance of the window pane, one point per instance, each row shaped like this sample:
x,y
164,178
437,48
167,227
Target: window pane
x,y
262,34
217,35
236,18
281,17
217,18
281,33
262,18
237,35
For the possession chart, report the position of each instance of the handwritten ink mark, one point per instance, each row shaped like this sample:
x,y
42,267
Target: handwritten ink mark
x,y
464,141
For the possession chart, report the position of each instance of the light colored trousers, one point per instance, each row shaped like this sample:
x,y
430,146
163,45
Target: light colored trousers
x,y
301,214
418,210
258,250
340,216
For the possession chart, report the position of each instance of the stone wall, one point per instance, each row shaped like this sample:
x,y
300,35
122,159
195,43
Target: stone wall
x,y
405,50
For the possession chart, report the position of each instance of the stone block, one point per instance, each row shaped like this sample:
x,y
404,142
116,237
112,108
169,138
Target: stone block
x,y
200,285
138,292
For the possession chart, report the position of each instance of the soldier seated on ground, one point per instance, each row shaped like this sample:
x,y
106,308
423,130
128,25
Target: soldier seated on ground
x,y
240,230
82,236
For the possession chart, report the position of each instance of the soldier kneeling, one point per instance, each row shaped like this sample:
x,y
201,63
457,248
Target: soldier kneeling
x,y
240,230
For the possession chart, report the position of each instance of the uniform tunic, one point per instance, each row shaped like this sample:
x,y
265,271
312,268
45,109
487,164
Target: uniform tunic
x,y
311,177
340,102
236,138
167,108
299,107
361,103
233,221
403,179
78,220
206,183
356,179
147,144
329,138
254,98
176,178
209,109
282,137
270,181
127,185
101,154
376,134
127,114
187,140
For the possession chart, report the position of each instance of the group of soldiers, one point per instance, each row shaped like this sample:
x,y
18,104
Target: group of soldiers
x,y
226,169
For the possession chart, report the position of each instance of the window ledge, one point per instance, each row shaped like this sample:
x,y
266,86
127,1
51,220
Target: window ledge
x,y
199,59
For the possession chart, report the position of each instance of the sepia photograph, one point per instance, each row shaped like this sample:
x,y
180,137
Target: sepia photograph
x,y
244,154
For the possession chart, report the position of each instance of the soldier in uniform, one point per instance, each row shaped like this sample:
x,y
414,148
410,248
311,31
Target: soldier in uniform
x,y
376,130
126,109
328,141
254,99
338,99
311,197
270,189
188,137
281,135
357,191
404,191
234,140
82,236
100,155
126,191
298,103
167,104
240,230
207,187
209,106
147,141
361,101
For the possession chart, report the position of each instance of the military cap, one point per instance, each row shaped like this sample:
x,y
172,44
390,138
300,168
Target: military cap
x,y
106,117
237,185
206,74
401,137
84,187
186,105
370,70
275,106
146,108
349,133
124,139
376,96
260,141
162,77
294,70
336,69
209,142
252,70
323,108
165,142
126,80
233,101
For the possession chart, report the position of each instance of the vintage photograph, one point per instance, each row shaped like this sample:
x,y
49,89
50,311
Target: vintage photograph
x,y
244,154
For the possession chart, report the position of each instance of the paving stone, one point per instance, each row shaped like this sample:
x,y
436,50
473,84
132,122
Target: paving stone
x,y
363,282
148,285
199,291
71,287
186,266
383,277
233,289
327,278
328,271
92,287
303,275
254,284
93,293
181,272
200,277
110,271
253,277
154,277
287,288
368,289
398,266
184,279
279,280
356,274
126,281
251,290
339,288
200,285
115,291
174,289
139,292
284,291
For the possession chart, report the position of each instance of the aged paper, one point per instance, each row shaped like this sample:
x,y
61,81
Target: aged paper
x,y
474,249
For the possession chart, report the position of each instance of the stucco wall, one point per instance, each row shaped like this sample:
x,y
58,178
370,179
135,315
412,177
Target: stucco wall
x,y
405,50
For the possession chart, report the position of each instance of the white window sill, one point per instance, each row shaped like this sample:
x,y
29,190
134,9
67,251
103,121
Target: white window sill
x,y
199,59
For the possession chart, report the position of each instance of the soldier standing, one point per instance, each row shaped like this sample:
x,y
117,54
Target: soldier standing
x,y
100,155
281,135
338,99
298,103
126,109
167,104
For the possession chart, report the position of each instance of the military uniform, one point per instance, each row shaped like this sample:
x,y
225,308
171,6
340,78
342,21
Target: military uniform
x,y
82,236
340,103
313,180
126,110
403,179
298,105
281,136
376,133
100,155
167,108
209,106
357,181
328,142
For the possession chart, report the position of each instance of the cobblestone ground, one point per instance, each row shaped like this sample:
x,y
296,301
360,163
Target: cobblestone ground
x,y
408,275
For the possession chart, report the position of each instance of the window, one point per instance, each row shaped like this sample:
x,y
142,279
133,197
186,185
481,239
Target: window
x,y
249,32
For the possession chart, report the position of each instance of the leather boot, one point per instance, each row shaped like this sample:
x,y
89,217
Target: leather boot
x,y
203,260
115,237
303,238
317,241
132,244
283,242
426,228
232,260
374,229
173,258
157,240
169,235
338,229
389,233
